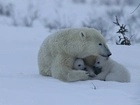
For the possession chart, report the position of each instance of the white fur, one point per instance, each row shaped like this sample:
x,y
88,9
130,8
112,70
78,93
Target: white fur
x,y
111,70
59,50
80,65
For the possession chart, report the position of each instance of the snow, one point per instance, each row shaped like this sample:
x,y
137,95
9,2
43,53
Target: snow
x,y
58,14
21,83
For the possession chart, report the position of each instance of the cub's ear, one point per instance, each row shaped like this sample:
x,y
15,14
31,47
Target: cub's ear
x,y
82,35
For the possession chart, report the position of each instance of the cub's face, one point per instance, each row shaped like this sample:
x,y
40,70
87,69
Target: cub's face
x,y
100,61
79,64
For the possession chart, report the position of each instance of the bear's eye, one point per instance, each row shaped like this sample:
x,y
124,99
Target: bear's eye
x,y
79,65
98,62
100,44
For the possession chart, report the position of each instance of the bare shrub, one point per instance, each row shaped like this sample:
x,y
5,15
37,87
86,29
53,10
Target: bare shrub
x,y
115,12
6,10
26,20
56,24
97,23
79,1
60,22
31,17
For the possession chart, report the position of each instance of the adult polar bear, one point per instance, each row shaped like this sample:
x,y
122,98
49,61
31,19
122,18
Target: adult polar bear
x,y
59,51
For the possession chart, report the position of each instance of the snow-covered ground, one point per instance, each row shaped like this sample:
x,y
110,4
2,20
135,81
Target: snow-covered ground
x,y
21,83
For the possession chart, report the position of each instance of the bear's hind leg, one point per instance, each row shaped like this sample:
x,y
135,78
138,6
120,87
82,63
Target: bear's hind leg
x,y
44,63
118,77
111,77
45,71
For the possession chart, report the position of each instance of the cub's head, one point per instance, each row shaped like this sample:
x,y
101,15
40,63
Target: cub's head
x,y
100,61
79,64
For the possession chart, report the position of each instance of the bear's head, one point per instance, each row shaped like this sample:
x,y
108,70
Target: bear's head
x,y
84,42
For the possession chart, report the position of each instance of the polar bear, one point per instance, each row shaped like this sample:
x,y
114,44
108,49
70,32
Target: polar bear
x,y
59,50
111,70
80,65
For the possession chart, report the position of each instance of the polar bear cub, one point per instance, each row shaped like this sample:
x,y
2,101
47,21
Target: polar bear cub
x,y
80,65
111,70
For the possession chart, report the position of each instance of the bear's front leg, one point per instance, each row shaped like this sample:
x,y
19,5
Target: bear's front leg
x,y
61,69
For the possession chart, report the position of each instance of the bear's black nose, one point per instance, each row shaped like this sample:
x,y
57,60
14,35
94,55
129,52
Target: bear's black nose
x,y
109,54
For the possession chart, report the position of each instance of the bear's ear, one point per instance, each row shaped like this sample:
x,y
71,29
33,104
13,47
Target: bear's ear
x,y
82,35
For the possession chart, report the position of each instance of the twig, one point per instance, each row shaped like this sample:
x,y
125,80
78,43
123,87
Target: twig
x,y
135,9
94,86
117,22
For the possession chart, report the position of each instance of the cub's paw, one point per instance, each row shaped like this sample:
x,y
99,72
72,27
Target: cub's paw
x,y
92,76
